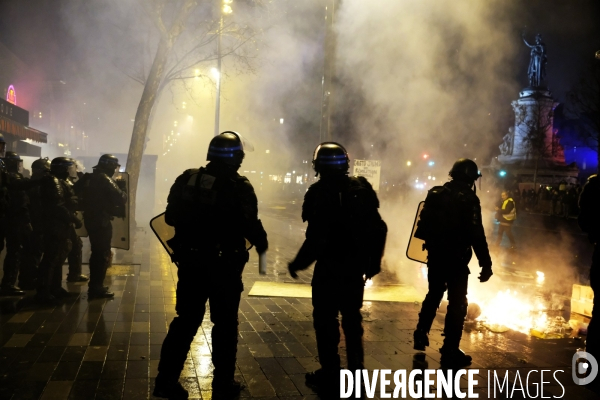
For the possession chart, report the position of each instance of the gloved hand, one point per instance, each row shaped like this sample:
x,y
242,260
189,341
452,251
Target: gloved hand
x,y
292,270
486,274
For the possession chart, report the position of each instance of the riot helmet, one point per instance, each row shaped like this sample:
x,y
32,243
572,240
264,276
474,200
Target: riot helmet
x,y
2,146
12,161
108,164
41,166
330,158
228,148
60,167
465,170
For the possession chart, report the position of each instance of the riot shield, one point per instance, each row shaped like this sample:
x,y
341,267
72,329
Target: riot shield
x,y
120,226
415,250
162,231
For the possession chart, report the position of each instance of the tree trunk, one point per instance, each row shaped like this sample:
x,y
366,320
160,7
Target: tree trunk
x,y
142,117
535,172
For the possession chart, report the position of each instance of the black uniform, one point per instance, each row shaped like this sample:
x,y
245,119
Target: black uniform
x,y
214,210
33,248
451,225
103,200
57,203
17,226
341,212
589,221
75,256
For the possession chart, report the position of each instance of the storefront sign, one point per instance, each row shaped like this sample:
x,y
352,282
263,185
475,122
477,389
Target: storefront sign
x,y
14,113
11,95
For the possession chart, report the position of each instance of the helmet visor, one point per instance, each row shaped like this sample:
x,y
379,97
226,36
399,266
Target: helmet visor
x,y
246,144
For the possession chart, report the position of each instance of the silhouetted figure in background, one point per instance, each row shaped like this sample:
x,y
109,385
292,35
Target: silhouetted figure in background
x,y
16,228
346,237
34,247
506,214
214,210
58,203
103,200
450,224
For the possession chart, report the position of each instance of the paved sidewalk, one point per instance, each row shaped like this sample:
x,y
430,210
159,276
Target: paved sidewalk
x,y
109,349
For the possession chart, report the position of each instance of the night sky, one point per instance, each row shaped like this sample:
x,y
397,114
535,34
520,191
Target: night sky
x,y
35,30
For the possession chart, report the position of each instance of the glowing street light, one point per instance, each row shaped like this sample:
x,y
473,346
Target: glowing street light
x,y
431,163
226,10
408,163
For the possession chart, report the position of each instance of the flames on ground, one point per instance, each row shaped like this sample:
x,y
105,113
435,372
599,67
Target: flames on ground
x,y
526,310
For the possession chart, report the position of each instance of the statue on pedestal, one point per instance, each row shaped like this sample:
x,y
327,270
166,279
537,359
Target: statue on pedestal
x,y
537,63
507,141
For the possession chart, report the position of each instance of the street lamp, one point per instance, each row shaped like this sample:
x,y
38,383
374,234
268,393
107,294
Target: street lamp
x,y
225,9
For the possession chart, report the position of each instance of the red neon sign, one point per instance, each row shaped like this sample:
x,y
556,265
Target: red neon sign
x,y
11,95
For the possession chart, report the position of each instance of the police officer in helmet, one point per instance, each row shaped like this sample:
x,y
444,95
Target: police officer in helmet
x,y
214,211
103,200
17,227
341,212
58,204
33,248
450,224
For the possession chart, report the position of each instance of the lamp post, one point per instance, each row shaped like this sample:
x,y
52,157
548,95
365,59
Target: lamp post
x,y
225,9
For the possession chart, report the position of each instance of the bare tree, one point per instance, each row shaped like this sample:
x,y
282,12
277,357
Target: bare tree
x,y
184,35
535,121
583,104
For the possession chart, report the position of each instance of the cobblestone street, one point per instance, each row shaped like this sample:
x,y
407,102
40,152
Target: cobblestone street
x,y
109,349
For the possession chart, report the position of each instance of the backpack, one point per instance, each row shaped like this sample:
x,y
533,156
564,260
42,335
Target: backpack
x,y
369,231
439,219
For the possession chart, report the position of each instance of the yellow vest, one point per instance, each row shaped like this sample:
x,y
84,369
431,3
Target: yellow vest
x,y
512,215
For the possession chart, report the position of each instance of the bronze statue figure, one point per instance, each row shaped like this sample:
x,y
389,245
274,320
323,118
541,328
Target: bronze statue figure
x,y
537,63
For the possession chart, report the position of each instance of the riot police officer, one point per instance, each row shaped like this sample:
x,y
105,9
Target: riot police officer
x,y
589,221
17,227
343,218
75,257
58,203
103,200
33,248
450,224
214,210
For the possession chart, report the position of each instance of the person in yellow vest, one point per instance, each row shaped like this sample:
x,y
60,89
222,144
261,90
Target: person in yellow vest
x,y
506,214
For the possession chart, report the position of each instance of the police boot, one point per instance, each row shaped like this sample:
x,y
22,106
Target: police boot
x,y
225,389
44,298
77,278
100,293
454,358
421,340
169,390
11,290
323,381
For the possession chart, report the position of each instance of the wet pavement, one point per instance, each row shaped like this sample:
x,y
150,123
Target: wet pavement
x,y
109,349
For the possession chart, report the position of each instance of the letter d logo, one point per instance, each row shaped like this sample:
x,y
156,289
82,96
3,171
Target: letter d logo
x,y
585,368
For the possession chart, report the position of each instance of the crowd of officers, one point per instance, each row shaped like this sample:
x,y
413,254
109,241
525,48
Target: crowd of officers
x,y
346,238
39,222
214,212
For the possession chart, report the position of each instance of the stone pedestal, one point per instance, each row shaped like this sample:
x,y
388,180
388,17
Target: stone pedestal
x,y
534,107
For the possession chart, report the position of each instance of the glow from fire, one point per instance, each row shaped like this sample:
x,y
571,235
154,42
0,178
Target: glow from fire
x,y
512,310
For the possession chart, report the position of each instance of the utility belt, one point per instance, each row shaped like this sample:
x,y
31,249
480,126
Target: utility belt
x,y
193,251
